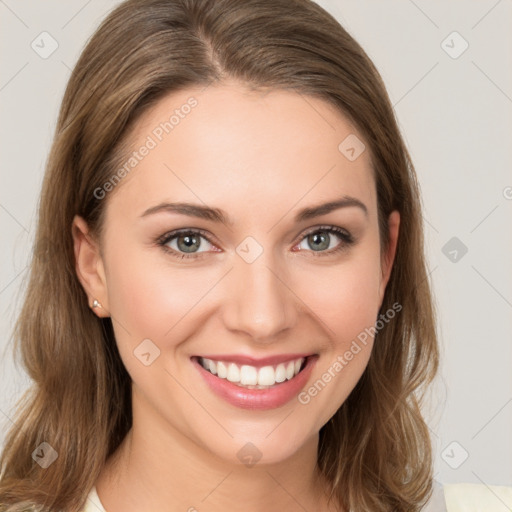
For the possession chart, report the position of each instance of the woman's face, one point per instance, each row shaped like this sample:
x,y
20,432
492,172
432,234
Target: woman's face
x,y
269,281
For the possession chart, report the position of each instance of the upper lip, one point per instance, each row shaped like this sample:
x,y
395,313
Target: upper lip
x,y
257,362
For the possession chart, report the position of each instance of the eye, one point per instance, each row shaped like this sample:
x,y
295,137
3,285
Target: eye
x,y
188,241
185,243
321,240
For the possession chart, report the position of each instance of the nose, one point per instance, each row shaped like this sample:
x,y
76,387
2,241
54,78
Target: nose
x,y
260,302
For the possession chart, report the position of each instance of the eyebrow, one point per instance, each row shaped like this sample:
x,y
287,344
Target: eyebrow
x,y
218,215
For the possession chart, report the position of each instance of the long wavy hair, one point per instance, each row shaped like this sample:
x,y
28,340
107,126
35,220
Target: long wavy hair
x,y
376,451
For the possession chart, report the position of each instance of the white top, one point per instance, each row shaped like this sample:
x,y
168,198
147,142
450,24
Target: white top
x,y
463,497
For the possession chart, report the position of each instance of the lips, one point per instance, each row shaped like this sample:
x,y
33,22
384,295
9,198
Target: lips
x,y
258,397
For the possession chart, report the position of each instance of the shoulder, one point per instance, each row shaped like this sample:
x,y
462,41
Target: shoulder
x,y
466,497
436,502
475,497
93,503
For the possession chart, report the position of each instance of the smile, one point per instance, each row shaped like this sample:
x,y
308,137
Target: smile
x,y
252,377
262,387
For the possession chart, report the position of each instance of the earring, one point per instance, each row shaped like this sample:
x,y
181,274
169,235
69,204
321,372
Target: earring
x,y
96,304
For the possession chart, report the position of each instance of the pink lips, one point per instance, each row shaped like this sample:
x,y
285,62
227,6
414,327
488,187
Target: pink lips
x,y
258,399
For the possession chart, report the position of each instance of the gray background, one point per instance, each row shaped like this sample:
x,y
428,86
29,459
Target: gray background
x,y
455,113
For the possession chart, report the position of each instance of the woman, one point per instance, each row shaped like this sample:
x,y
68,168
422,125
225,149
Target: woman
x,y
229,305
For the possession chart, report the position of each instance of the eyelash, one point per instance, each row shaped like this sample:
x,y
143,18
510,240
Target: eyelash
x,y
346,237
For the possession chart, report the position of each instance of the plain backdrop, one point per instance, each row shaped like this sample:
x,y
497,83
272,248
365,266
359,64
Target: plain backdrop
x,y
447,68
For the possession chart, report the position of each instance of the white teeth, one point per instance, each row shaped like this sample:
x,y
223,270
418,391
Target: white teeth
x,y
266,376
290,370
212,367
233,373
248,375
281,373
251,376
222,371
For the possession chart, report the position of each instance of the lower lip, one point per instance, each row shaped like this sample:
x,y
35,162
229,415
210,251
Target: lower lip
x,y
258,399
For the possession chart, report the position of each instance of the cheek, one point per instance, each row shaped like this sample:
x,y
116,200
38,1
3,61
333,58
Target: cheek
x,y
344,296
347,302
156,302
154,299
148,294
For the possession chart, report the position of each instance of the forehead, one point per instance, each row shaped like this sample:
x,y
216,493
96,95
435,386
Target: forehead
x,y
237,149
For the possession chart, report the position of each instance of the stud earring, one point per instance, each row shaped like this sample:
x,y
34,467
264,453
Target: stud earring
x,y
96,304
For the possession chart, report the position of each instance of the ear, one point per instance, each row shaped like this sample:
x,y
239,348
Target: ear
x,y
389,255
89,266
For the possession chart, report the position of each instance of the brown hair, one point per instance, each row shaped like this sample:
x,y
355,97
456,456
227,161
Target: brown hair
x,y
376,450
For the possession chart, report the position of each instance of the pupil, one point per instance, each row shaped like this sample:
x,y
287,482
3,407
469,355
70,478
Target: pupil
x,y
190,242
317,237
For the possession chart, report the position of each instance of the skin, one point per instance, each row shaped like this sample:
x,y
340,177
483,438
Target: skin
x,y
261,157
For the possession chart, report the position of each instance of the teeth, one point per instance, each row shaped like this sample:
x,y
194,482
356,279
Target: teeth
x,y
266,376
251,376
212,367
290,370
281,373
222,371
233,373
248,375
